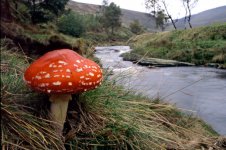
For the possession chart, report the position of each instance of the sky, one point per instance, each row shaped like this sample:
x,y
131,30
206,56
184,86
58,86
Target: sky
x,y
175,7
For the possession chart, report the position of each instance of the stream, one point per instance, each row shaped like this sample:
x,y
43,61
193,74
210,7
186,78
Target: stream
x,y
199,90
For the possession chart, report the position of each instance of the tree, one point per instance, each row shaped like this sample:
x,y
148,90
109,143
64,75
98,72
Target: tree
x,y
152,5
55,6
105,3
71,24
111,17
45,10
135,27
161,19
157,5
188,5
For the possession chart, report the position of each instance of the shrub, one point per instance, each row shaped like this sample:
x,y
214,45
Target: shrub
x,y
71,24
41,16
92,23
135,27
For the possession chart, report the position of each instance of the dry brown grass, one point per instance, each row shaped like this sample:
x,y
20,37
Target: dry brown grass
x,y
106,118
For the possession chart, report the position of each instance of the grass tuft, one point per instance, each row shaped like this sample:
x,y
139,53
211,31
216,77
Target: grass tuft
x,y
21,129
131,121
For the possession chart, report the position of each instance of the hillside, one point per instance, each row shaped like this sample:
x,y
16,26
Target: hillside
x,y
200,46
128,16
208,17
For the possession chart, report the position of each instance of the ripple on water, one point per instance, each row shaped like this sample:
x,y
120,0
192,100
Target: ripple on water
x,y
201,90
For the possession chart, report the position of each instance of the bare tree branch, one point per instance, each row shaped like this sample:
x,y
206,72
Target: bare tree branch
x,y
155,5
189,13
170,17
186,13
189,5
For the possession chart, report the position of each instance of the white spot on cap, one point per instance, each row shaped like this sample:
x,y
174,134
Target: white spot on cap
x,y
68,70
42,85
57,83
54,66
85,89
91,74
87,78
70,83
94,70
82,77
75,65
90,83
51,65
38,77
48,91
56,76
85,66
59,66
79,70
47,84
47,76
68,76
63,76
55,70
42,72
99,75
62,62
78,61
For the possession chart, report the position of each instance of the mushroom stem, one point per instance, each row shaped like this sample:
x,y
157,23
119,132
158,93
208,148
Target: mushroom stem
x,y
58,109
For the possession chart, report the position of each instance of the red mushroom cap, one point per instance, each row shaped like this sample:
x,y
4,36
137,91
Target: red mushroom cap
x,y
62,72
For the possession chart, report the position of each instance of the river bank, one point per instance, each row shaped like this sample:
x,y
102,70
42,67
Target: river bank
x,y
203,46
157,62
152,62
110,116
193,89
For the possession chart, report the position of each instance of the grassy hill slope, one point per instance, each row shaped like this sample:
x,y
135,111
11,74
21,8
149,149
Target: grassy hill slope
x,y
200,46
128,16
208,17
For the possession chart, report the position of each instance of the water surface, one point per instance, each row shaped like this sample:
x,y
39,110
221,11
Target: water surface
x,y
193,89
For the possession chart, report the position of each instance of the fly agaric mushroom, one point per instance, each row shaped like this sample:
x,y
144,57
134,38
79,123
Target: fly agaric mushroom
x,y
61,73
